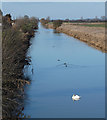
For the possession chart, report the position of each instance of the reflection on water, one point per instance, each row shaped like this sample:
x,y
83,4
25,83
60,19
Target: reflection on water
x,y
63,66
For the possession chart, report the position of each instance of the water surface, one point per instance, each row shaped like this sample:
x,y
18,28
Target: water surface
x,y
53,84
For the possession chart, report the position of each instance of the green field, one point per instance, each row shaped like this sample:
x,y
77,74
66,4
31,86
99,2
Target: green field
x,y
93,25
50,23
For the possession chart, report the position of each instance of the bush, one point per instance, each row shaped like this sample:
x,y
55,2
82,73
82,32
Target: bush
x,y
27,24
15,43
57,23
44,22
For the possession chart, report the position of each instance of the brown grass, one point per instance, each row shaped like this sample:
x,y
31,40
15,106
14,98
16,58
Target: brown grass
x,y
15,43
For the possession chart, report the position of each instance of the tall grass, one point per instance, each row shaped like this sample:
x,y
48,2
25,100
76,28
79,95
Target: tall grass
x,y
15,42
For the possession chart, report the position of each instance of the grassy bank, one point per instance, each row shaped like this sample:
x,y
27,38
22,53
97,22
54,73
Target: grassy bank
x,y
16,35
93,36
91,33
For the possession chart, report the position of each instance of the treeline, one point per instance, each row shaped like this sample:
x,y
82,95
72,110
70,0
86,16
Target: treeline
x,y
56,23
85,20
15,42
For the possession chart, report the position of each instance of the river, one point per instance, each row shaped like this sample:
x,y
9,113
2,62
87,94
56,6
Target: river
x,y
53,82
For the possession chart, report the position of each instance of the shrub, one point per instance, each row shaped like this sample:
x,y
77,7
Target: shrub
x,y
57,23
45,21
27,24
14,47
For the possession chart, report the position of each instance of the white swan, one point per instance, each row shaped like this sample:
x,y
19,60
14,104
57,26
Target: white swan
x,y
76,97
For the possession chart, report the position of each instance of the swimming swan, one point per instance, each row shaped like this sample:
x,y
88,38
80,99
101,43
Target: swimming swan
x,y
76,97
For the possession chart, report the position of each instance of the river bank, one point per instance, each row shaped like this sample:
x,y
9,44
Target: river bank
x,y
0,73
93,36
16,37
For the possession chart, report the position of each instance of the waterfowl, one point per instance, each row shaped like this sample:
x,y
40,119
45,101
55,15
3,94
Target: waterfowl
x,y
76,97
58,60
65,64
32,70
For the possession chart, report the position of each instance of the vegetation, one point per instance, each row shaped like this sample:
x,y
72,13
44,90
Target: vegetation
x,y
82,22
57,23
26,24
0,82
93,25
15,41
89,20
0,16
44,21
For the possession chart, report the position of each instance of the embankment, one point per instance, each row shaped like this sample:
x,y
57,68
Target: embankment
x,y
16,37
93,36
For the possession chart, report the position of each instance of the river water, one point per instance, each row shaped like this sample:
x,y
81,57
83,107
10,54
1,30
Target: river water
x,y
53,83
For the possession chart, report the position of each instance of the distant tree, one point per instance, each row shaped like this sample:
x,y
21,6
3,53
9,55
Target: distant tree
x,y
67,20
48,18
6,21
26,17
96,18
57,23
103,17
43,21
8,15
82,18
34,18
1,13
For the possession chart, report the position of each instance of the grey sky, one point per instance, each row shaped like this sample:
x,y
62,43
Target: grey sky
x,y
62,10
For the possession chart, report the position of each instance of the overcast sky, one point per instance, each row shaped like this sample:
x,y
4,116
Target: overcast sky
x,y
61,10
